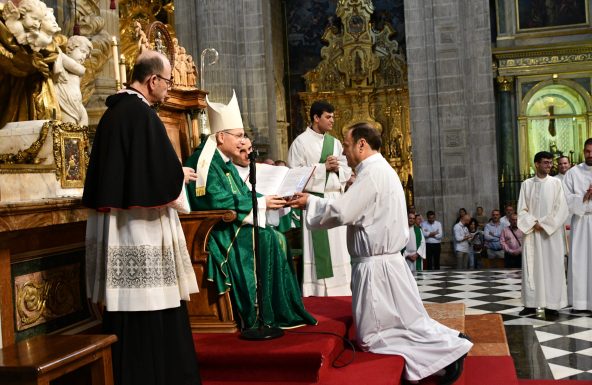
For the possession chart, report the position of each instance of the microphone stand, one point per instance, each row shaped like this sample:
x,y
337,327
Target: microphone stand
x,y
262,331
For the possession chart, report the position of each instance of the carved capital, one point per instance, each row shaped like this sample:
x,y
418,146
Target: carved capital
x,y
505,83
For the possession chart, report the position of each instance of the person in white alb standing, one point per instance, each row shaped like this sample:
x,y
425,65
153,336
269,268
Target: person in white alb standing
x,y
326,262
542,209
578,191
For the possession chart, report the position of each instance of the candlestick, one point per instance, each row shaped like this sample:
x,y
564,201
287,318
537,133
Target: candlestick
x,y
122,70
115,63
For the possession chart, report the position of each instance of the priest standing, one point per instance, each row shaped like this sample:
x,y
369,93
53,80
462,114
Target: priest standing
x,y
326,263
415,251
137,263
542,210
578,190
387,309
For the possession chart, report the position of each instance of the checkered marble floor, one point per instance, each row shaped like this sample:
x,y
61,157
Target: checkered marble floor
x,y
552,347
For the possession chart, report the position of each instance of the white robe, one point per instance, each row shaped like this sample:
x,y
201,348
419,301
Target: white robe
x,y
412,248
387,309
543,273
306,151
576,182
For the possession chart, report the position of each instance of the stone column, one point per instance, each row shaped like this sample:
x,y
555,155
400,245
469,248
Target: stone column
x,y
507,138
242,32
452,106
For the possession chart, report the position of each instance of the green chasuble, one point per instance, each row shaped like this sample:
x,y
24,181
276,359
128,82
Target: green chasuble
x,y
231,264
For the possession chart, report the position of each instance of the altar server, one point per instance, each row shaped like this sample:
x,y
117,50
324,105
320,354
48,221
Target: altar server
x,y
326,262
387,309
542,210
578,190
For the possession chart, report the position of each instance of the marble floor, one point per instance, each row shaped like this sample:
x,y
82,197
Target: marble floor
x,y
542,347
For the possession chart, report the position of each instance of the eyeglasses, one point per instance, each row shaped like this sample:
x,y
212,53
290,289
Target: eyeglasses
x,y
238,136
169,82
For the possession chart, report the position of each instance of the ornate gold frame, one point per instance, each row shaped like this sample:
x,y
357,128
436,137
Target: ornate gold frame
x,y
70,152
571,27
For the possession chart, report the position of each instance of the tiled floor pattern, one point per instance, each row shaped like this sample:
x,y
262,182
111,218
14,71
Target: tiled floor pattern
x,y
543,347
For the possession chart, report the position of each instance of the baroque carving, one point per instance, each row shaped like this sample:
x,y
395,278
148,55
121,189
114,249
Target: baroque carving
x,y
46,295
140,30
364,75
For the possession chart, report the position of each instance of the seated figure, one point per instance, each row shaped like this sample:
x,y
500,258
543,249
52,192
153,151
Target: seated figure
x,y
231,264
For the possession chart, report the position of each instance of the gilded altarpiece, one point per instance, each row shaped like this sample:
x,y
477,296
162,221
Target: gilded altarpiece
x,y
364,75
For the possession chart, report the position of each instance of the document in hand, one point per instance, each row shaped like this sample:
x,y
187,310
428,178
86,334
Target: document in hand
x,y
282,181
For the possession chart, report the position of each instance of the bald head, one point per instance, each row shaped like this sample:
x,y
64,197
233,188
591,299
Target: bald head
x,y
148,63
151,76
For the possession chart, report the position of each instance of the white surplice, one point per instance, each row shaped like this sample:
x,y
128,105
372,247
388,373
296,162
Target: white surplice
x,y
576,182
412,248
306,151
543,272
137,259
387,309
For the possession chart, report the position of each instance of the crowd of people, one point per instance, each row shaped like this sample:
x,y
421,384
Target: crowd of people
x,y
359,238
477,240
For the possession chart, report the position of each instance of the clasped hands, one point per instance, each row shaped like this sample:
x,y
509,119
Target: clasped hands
x,y
332,164
588,194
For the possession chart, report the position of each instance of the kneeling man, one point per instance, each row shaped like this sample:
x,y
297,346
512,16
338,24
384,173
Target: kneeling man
x,y
387,309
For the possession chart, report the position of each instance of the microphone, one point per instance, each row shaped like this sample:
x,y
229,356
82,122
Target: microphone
x,y
252,167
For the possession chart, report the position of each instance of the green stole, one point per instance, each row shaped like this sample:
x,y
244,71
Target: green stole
x,y
418,262
320,237
418,235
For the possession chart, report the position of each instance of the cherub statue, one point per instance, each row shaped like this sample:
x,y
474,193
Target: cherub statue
x,y
26,56
69,69
47,31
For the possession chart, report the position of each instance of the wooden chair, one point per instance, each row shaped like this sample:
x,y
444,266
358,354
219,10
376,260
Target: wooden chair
x,y
209,312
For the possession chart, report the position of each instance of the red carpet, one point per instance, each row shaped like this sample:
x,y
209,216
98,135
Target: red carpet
x,y
304,356
296,357
553,382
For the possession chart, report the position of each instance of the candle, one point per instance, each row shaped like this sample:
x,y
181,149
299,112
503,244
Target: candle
x,y
115,63
122,70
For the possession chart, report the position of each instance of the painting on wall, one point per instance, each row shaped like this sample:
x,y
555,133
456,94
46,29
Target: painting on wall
x,y
534,15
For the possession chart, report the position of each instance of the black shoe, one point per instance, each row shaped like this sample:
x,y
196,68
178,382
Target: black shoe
x,y
452,372
551,312
466,337
527,311
575,311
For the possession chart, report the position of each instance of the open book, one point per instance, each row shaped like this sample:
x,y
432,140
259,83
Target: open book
x,y
282,181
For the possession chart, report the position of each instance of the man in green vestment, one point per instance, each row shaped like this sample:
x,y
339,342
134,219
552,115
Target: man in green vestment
x,y
231,264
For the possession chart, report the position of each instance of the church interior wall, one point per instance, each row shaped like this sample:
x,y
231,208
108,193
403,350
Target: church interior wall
x,y
452,106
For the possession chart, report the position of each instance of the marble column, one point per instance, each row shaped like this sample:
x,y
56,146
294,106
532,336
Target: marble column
x,y
452,106
507,138
242,31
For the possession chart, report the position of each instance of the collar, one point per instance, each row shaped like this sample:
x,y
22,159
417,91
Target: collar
x,y
133,91
313,132
369,160
224,157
